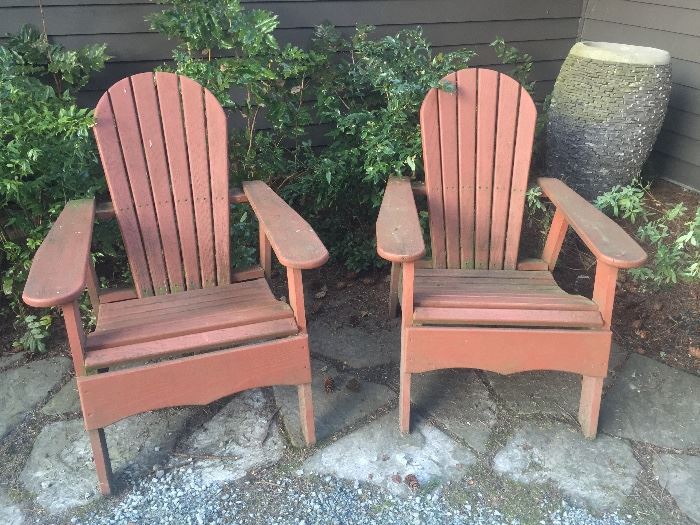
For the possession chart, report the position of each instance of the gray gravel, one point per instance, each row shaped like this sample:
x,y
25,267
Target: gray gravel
x,y
180,496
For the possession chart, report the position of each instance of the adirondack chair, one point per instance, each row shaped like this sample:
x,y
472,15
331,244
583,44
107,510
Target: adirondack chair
x,y
473,305
191,331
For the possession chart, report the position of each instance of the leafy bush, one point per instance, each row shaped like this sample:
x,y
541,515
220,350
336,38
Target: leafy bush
x,y
370,100
46,154
232,51
674,256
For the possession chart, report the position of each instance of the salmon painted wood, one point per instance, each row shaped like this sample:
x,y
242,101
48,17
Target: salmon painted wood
x,y
475,304
191,330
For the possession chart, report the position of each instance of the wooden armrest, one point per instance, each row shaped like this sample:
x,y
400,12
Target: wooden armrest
x,y
295,243
399,235
603,236
57,275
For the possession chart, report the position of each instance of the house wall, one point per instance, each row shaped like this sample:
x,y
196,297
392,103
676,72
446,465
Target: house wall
x,y
544,28
673,25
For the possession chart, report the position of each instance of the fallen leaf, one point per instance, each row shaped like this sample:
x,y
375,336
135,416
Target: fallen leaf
x,y
322,293
694,351
637,324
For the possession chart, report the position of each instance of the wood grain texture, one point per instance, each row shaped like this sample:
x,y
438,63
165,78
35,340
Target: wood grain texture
x,y
170,383
399,235
132,149
190,312
58,272
108,145
603,236
198,156
477,144
170,106
151,129
432,164
196,342
508,350
217,142
294,242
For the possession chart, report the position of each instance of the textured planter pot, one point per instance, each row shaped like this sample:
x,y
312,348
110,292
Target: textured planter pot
x,y
607,108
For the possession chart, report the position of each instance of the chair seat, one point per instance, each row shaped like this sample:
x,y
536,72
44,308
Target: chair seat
x,y
140,329
499,298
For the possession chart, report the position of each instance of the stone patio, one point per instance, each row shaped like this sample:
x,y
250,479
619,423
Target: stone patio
x,y
469,429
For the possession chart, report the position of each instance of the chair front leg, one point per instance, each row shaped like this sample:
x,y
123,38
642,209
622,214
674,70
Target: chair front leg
x,y
592,387
406,320
306,407
98,442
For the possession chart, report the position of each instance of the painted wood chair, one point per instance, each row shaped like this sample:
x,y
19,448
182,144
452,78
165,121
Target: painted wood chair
x,y
474,305
191,331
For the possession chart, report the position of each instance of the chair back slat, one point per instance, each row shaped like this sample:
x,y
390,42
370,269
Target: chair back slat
x,y
156,161
477,144
162,140
170,107
196,135
218,168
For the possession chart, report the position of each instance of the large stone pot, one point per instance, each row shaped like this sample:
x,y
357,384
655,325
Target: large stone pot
x,y
607,108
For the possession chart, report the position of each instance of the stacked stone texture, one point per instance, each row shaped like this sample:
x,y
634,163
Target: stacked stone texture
x,y
603,121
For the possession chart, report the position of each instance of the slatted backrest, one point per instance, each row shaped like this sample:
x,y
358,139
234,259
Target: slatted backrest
x,y
162,139
477,144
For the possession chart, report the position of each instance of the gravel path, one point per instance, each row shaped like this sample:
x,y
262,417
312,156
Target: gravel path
x,y
180,497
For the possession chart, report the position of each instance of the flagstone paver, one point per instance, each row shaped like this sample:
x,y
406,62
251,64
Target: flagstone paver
x,y
350,400
378,453
10,513
553,393
241,436
65,401
653,403
21,389
680,476
526,393
7,360
459,400
60,471
600,472
355,346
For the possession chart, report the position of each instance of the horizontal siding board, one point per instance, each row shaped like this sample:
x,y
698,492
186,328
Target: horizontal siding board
x,y
676,170
680,46
685,98
683,123
685,4
678,146
650,16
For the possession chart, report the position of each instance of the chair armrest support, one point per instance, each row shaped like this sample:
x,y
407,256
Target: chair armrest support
x,y
292,239
399,235
58,272
606,239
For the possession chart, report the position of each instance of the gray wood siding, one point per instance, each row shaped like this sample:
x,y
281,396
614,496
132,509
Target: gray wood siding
x,y
673,25
544,28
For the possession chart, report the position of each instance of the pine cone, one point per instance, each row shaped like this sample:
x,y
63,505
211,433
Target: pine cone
x,y
329,384
412,481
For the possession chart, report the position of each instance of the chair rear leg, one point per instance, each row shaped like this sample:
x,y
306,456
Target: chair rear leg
x,y
394,289
306,414
405,402
100,455
589,407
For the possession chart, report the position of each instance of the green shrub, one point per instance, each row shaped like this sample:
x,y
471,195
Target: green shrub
x,y
673,256
46,155
370,99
